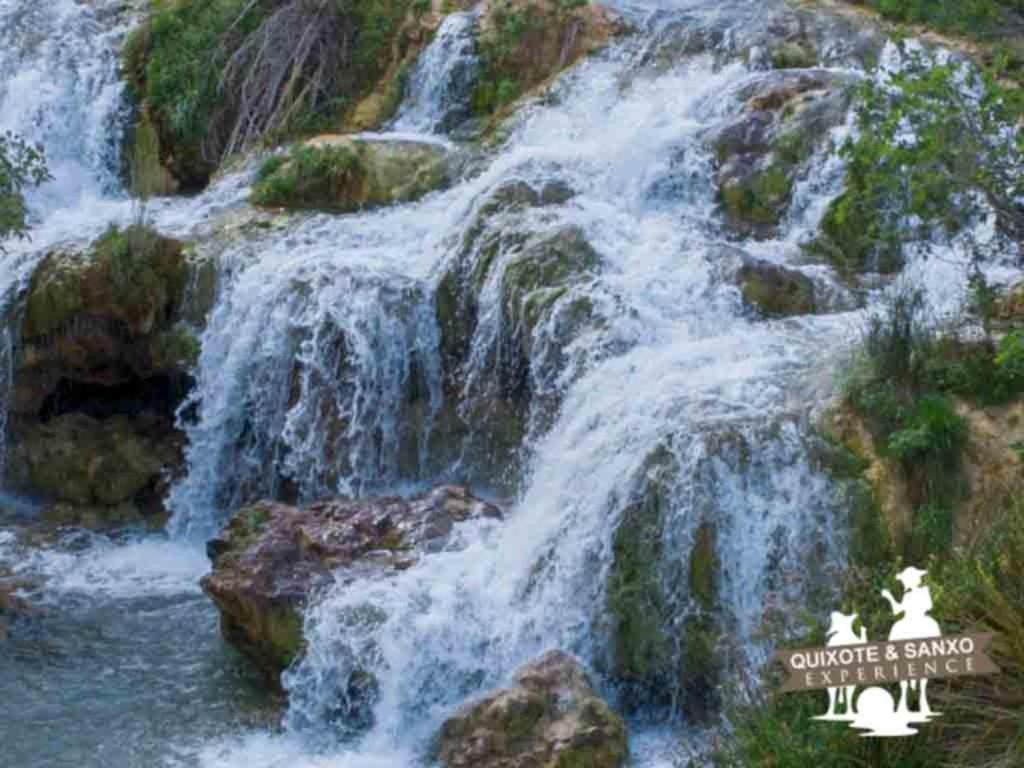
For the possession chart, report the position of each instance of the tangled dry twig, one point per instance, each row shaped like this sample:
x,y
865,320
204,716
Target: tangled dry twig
x,y
296,62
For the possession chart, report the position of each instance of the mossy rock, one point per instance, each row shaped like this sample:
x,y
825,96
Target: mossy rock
x,y
90,462
550,717
342,175
851,240
525,43
773,290
147,175
642,651
704,565
794,55
759,199
764,150
133,275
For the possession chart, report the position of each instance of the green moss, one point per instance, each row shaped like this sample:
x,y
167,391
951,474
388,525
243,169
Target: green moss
x,y
794,55
498,83
642,649
701,667
177,348
759,199
333,178
704,567
134,275
148,175
284,634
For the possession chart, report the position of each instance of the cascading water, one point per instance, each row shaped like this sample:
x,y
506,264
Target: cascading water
x,y
672,365
439,88
634,383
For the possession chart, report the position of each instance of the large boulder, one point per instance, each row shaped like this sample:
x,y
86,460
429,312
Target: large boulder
x,y
550,718
271,557
344,174
786,117
106,346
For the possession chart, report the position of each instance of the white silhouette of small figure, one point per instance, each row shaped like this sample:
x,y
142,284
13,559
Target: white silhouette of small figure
x,y
840,632
916,624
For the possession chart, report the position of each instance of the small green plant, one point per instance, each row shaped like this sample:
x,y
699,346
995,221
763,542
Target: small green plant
x,y
22,165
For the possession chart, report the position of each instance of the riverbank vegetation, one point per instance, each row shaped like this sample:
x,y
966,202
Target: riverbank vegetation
x,y
910,386
926,399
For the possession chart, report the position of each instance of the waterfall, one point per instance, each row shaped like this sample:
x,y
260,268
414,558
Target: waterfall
x,y
65,94
439,87
667,363
559,326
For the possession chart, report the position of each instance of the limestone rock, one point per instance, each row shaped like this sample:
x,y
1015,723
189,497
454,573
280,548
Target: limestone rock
x,y
550,718
271,557
343,174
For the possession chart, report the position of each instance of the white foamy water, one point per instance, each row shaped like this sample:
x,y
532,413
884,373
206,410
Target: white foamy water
x,y
98,566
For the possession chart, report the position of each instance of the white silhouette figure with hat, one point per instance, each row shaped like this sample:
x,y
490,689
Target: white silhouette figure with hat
x,y
840,632
876,710
916,624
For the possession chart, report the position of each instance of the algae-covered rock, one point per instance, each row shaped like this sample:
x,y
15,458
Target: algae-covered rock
x,y
106,345
148,175
760,154
665,620
509,307
271,557
86,461
342,174
509,304
639,602
551,718
774,290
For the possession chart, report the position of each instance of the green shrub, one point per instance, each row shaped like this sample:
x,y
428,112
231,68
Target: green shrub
x,y
499,79
932,430
981,590
980,19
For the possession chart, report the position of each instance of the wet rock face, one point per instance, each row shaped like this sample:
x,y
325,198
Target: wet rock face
x,y
551,718
342,174
509,306
271,557
786,117
770,290
101,365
